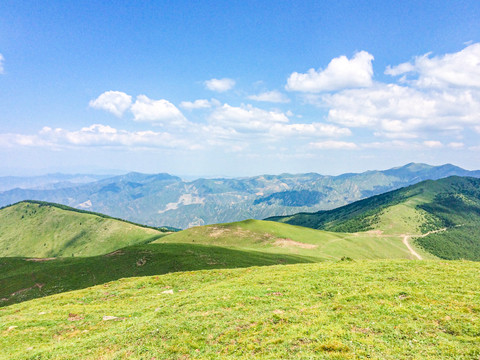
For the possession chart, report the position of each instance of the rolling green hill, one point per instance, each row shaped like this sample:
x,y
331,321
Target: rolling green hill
x,y
277,238
38,229
443,216
242,244
393,309
28,278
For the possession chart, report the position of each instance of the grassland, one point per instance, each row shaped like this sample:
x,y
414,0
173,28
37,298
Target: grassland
x,y
277,238
443,216
23,279
393,309
43,230
242,244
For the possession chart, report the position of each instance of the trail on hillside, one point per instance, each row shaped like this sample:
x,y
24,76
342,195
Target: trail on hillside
x,y
407,244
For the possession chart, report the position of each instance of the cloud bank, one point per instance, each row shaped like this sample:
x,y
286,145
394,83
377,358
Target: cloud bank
x,y
432,103
340,73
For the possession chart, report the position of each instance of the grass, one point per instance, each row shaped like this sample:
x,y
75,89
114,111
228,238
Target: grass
x,y
451,205
233,245
275,238
22,279
380,309
36,229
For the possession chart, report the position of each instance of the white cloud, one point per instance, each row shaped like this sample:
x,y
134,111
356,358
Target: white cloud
x,y
456,145
220,85
2,68
309,130
116,102
401,111
157,111
197,104
333,145
246,118
432,144
340,73
273,96
460,69
96,135
246,123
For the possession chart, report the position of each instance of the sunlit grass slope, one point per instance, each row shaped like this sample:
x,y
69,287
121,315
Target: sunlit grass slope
x,y
393,309
276,238
444,214
25,278
37,229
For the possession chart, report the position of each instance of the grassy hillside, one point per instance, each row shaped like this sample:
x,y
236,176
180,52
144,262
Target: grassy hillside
x,y
443,214
347,310
26,278
278,238
243,244
38,229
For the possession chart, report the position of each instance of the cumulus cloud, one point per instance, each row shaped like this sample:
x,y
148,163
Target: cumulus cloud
x,y
240,123
309,130
432,144
246,118
197,104
2,68
401,111
456,145
341,73
460,69
157,111
96,135
333,145
116,102
273,96
220,85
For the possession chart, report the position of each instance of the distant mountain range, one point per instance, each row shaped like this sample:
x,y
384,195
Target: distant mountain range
x,y
163,199
48,181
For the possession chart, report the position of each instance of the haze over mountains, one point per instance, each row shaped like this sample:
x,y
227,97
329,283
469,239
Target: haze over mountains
x,y
163,199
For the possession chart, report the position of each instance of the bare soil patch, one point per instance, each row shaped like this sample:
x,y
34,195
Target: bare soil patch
x,y
292,243
40,259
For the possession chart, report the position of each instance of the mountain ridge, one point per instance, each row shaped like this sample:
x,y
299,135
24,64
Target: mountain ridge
x,y
164,199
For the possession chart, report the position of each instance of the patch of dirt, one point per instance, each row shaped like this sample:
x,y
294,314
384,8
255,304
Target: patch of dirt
x,y
362,330
374,232
217,232
74,317
116,252
40,259
37,285
141,262
292,243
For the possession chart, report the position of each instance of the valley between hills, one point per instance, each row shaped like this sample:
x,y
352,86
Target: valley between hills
x,y
389,276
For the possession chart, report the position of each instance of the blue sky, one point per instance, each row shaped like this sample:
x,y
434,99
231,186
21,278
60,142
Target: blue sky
x,y
238,88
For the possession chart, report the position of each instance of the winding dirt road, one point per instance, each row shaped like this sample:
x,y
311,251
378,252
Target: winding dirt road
x,y
407,244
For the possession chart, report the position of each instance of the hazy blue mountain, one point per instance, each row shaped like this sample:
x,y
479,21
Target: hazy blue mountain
x,y
163,199
49,181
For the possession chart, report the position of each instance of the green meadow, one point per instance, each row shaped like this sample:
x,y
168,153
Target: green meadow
x,y
375,309
39,229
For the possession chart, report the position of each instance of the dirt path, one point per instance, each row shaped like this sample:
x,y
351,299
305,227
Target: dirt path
x,y
407,244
